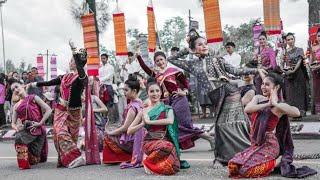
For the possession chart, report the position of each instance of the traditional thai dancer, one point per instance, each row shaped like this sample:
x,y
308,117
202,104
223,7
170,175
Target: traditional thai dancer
x,y
296,76
315,67
266,59
231,123
161,141
246,85
98,108
27,119
119,147
67,115
175,90
268,114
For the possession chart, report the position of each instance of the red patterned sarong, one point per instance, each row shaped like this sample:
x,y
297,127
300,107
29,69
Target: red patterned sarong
x,y
256,161
66,131
114,152
161,157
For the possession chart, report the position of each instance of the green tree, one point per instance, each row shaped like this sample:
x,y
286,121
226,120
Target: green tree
x,y
10,67
133,35
29,67
173,33
101,9
24,67
242,36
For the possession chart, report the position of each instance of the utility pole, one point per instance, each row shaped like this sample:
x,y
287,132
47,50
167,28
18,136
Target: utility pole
x,y
189,19
47,54
3,50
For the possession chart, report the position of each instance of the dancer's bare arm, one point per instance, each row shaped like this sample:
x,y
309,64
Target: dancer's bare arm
x,y
254,106
129,119
136,124
167,121
45,107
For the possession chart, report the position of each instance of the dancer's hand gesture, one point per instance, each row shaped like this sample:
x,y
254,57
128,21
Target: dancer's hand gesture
x,y
137,48
179,92
146,117
166,94
34,126
262,73
274,96
72,46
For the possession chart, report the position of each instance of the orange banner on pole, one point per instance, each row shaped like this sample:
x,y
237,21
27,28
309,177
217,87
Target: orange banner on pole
x,y
120,34
271,12
212,19
91,44
151,28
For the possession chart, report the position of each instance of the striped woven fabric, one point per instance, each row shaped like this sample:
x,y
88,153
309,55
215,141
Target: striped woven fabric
x,y
120,36
151,28
40,66
53,67
212,21
272,21
91,43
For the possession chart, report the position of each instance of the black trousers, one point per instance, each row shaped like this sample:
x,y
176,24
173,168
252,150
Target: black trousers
x,y
2,115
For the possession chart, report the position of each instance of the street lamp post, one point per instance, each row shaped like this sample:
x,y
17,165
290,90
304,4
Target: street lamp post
x,y
4,54
47,54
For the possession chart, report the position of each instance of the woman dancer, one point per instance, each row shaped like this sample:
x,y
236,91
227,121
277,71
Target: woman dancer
x,y
246,85
175,88
296,76
161,141
27,119
266,58
119,147
315,67
98,108
268,114
67,115
231,123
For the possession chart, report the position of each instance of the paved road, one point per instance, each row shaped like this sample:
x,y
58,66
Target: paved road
x,y
199,158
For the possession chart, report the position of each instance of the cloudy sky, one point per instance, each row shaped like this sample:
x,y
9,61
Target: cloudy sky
x,y
33,26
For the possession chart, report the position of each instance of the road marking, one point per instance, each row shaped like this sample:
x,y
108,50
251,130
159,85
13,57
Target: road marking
x,y
202,160
16,157
295,162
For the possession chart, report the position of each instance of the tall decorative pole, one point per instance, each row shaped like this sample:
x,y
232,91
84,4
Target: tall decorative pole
x,y
213,27
91,44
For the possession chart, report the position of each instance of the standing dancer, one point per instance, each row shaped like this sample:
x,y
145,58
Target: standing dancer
x,y
296,76
119,147
67,115
27,119
246,85
268,114
266,58
231,123
161,141
175,88
315,67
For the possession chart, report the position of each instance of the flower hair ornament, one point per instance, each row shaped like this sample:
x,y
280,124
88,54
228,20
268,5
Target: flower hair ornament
x,y
192,34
